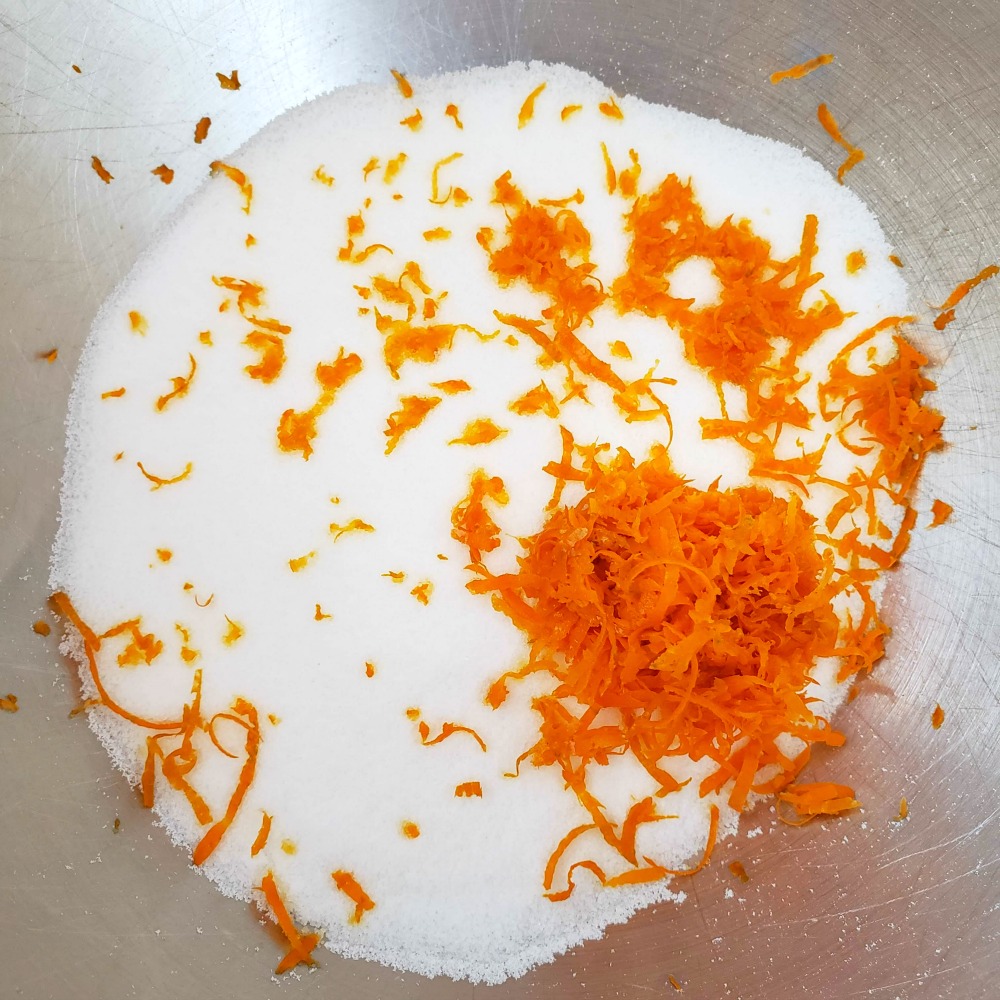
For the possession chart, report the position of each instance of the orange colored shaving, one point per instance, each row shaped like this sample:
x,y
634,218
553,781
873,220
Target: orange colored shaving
x,y
410,829
9,703
159,482
947,308
436,198
272,355
297,429
164,555
610,109
397,576
451,111
941,511
369,669
481,431
299,563
437,234
619,349
895,260
320,174
675,984
904,810
800,70
610,176
405,88
49,356
238,178
356,524
101,170
536,400
138,322
854,154
528,108
141,647
300,946
821,798
452,387
114,393
472,524
468,790
570,109
320,615
855,261
736,867
422,592
260,841
937,717
411,413
163,172
231,82
350,887
448,729
41,628
181,385
201,129
205,337
234,632
413,121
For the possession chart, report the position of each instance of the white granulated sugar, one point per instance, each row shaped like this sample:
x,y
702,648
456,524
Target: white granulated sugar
x,y
341,766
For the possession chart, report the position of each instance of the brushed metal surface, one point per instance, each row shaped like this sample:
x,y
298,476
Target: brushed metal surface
x,y
856,908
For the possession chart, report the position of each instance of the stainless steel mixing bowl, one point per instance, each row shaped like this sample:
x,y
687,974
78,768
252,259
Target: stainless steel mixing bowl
x,y
854,908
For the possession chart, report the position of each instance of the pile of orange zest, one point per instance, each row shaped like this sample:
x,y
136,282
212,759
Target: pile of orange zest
x,y
41,628
821,798
297,428
447,729
101,170
49,356
355,524
413,121
468,790
272,355
9,703
451,111
177,764
422,592
181,385
393,167
300,946
231,82
536,400
320,174
854,154
234,632
472,524
164,555
800,70
610,109
855,261
480,431
238,178
947,308
528,107
201,129
320,615
350,887
570,109
941,511
114,393
411,413
410,829
260,841
436,197
137,322
163,172
937,717
159,481
452,386
438,233
369,669
300,562
736,867
904,810
397,576
404,85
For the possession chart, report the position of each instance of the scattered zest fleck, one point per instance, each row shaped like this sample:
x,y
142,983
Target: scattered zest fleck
x,y
528,108
413,122
181,385
904,810
437,234
854,154
159,481
300,946
369,668
405,88
41,628
238,178
8,703
320,174
411,413
676,985
947,308
299,563
234,632
201,129
350,887
163,172
164,555
570,109
320,615
422,592
231,82
138,322
356,524
49,356
855,261
468,790
736,867
482,431
802,69
452,112
821,798
937,717
101,170
448,729
410,830
610,109
263,833
941,511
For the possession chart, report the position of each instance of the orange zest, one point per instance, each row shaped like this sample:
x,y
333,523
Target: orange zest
x,y
451,111
947,308
8,703
350,887
410,830
355,524
101,170
231,82
937,717
855,261
802,69
41,628
448,729
472,524
453,386
422,592
411,413
941,511
114,393
300,562
159,481
854,154
238,178
405,87
271,349
570,109
610,109
201,129
469,790
536,400
181,385
300,946
260,841
821,798
527,111
480,431
164,172
137,322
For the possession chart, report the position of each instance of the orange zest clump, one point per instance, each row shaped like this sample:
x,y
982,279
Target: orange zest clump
x,y
101,170
854,154
405,87
527,111
451,111
895,260
448,729
472,524
941,511
201,129
181,385
159,481
422,592
468,790
238,178
300,946
8,703
610,109
947,308
297,428
821,798
350,887
114,393
260,841
231,82
356,524
411,413
164,172
481,431
141,647
800,70
937,717
855,261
